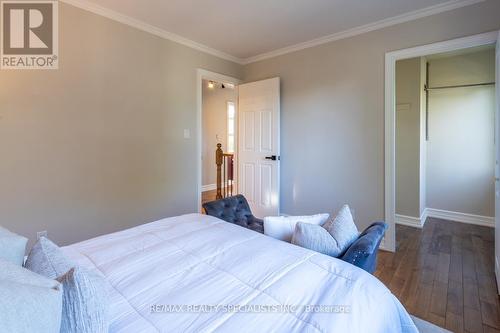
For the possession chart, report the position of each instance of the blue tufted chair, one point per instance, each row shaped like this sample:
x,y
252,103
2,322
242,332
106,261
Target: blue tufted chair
x,y
234,210
362,253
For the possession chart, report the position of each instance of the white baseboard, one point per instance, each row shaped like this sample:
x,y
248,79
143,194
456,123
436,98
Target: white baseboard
x,y
382,245
497,274
213,187
411,221
209,187
416,222
486,221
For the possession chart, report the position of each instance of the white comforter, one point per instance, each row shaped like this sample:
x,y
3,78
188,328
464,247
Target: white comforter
x,y
196,273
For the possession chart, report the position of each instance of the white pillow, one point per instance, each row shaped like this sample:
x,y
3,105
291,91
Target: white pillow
x,y
282,227
28,302
12,246
343,230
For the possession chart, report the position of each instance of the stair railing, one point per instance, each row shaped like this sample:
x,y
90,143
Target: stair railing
x,y
225,173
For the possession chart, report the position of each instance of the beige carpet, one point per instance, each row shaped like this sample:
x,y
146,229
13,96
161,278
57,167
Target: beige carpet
x,y
426,327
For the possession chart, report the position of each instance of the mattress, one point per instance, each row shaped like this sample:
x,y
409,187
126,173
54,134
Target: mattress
x,y
197,273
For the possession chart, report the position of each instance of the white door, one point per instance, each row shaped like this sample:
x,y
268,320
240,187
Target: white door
x,y
259,145
497,168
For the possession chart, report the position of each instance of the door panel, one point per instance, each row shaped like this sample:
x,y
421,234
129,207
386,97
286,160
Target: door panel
x,y
259,107
266,184
247,186
249,130
266,124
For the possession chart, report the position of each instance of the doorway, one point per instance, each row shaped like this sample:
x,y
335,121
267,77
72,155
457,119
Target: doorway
x,y
255,131
217,109
445,142
485,39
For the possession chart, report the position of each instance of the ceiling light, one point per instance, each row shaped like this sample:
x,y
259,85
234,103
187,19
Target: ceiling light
x,y
211,84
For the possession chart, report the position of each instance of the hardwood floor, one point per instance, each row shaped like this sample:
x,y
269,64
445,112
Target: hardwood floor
x,y
444,273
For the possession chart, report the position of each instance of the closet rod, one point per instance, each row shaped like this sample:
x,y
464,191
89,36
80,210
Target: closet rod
x,y
462,86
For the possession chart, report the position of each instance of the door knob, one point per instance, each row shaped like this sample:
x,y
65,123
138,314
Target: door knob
x,y
272,157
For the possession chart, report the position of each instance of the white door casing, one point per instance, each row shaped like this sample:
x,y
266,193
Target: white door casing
x,y
497,166
258,142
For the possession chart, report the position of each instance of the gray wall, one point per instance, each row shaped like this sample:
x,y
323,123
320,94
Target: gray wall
x,y
332,116
408,84
460,150
214,125
97,145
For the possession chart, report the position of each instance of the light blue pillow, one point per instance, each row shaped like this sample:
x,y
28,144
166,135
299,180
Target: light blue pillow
x,y
12,246
314,237
85,302
28,302
47,259
343,229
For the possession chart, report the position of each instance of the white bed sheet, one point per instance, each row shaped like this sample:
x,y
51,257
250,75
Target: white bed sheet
x,y
158,271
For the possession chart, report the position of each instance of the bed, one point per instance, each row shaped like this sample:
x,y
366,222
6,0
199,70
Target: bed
x,y
197,273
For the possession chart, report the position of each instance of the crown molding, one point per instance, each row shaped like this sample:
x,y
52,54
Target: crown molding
x,y
410,16
138,24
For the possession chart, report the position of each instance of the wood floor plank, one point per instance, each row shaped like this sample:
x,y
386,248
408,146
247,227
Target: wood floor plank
x,y
455,298
472,320
471,293
488,329
488,288
455,272
423,300
436,320
490,315
454,323
439,299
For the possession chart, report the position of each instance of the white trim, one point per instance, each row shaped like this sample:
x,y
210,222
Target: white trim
x,y
497,271
410,16
213,187
200,75
497,158
141,25
409,221
209,187
486,221
390,112
424,216
419,222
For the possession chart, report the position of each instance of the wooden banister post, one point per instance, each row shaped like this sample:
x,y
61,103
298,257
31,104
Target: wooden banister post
x,y
219,155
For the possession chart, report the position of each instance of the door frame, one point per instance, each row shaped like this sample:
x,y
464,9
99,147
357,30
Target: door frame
x,y
203,74
487,38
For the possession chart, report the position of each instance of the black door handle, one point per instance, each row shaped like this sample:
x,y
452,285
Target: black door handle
x,y
272,157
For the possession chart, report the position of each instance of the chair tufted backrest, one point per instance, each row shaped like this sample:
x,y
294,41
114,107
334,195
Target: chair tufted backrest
x,y
234,210
363,252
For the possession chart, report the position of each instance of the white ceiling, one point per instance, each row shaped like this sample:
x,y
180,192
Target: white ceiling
x,y
247,28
